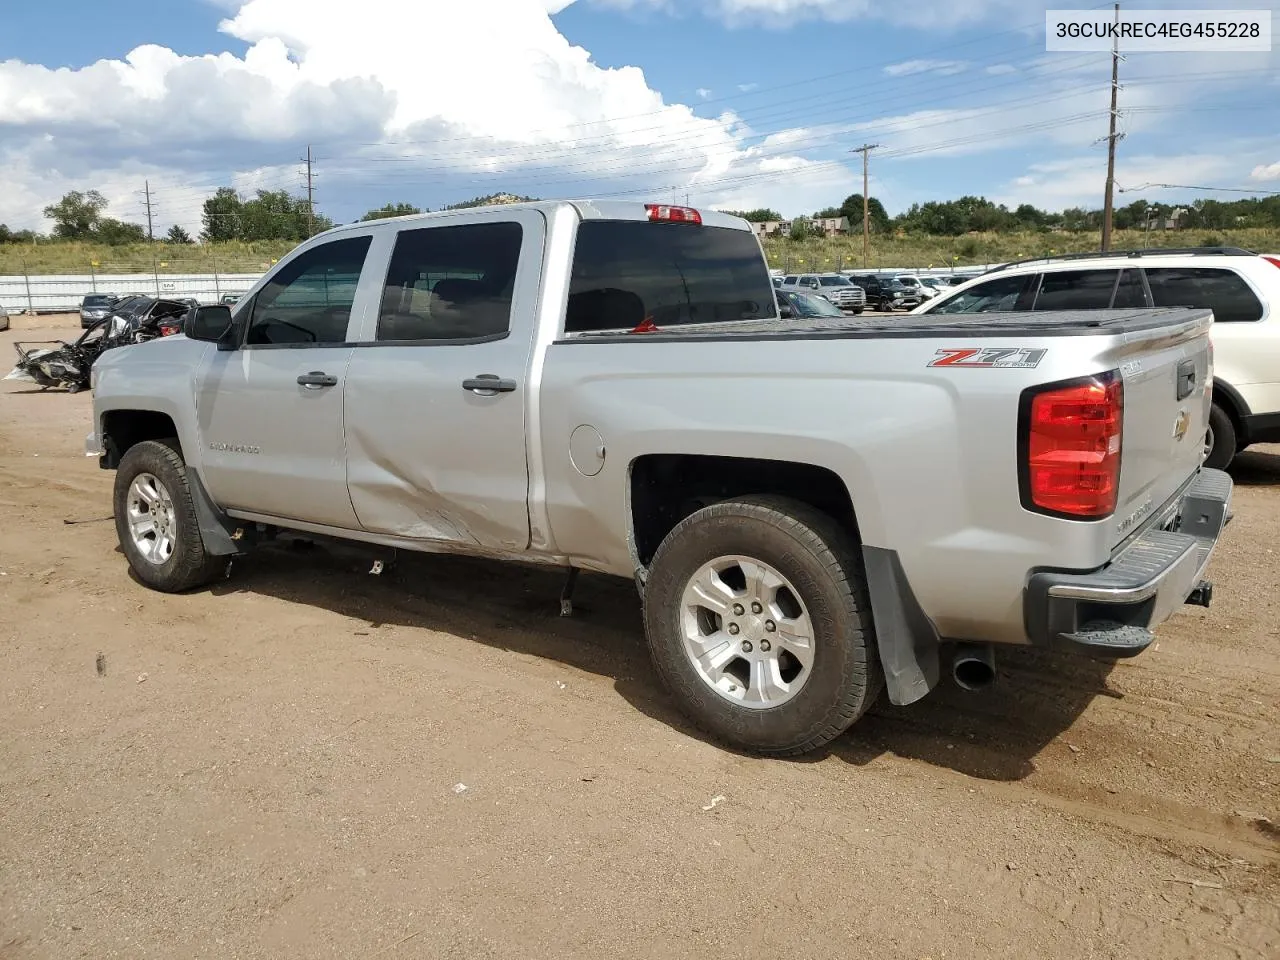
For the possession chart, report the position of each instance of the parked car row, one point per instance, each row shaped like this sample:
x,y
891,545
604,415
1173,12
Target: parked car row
x,y
855,293
833,287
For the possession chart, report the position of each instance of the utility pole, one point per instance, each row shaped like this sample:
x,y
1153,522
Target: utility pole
x,y
1112,137
311,205
865,149
151,236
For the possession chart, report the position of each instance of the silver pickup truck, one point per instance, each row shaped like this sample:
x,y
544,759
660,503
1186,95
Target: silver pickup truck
x,y
813,510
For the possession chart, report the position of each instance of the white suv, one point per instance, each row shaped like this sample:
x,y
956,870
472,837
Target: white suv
x,y
1242,288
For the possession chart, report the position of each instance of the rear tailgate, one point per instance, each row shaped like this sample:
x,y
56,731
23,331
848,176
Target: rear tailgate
x,y
1167,375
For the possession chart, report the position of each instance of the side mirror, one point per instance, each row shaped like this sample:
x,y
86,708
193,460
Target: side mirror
x,y
212,324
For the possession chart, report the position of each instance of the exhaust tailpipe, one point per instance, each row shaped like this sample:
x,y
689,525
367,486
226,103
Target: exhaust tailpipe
x,y
974,666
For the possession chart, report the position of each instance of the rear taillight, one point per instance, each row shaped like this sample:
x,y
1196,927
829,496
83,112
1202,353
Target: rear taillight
x,y
1069,446
664,214
166,330
1272,260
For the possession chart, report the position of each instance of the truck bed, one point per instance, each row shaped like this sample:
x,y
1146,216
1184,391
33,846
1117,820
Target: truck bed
x,y
1047,323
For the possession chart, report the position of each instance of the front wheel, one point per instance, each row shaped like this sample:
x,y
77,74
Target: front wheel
x,y
156,519
1220,442
758,623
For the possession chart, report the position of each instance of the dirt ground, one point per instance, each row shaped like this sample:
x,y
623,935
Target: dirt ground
x,y
310,761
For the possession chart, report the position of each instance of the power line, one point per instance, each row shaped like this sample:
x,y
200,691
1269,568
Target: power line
x,y
731,149
1184,186
702,156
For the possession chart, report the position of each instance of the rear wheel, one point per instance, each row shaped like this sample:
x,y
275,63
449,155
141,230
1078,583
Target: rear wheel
x,y
1220,442
759,624
156,519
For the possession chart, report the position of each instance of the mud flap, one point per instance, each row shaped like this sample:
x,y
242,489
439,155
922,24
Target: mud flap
x,y
216,528
905,636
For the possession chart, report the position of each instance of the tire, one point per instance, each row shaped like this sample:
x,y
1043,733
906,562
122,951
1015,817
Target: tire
x,y
1221,442
819,567
186,564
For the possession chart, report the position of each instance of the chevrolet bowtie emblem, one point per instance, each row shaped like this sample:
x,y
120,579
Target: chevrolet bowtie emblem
x,y
1181,424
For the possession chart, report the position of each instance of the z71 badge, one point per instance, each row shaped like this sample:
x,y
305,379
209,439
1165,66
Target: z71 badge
x,y
1022,358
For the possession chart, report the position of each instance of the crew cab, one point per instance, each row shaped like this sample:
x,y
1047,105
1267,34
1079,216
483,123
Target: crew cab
x,y
813,509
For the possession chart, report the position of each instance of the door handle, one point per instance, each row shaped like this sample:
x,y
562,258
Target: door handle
x,y
488,384
317,379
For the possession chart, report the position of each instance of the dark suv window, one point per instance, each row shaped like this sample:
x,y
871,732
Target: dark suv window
x,y
1076,290
1223,291
1129,291
451,283
309,300
995,295
626,272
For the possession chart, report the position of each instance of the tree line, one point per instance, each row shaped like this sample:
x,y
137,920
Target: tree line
x,y
978,214
278,215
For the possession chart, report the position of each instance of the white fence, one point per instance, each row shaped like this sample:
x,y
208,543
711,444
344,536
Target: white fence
x,y
56,294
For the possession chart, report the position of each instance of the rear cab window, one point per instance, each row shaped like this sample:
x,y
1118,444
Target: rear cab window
x,y
627,272
1223,291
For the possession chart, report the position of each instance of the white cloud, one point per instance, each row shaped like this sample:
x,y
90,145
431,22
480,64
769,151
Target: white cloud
x,y
747,87
703,93
907,68
1269,171
402,94
1000,69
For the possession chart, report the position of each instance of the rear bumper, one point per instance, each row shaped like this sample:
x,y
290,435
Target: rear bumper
x,y
1114,609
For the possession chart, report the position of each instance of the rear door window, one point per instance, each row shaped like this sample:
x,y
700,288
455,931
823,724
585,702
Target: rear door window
x,y
1076,290
451,283
626,272
1223,291
997,295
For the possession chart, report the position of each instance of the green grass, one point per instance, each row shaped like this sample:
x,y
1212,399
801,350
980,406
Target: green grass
x,y
923,252
49,257
907,252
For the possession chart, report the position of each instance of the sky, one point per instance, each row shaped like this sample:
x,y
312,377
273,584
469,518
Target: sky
x,y
729,103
